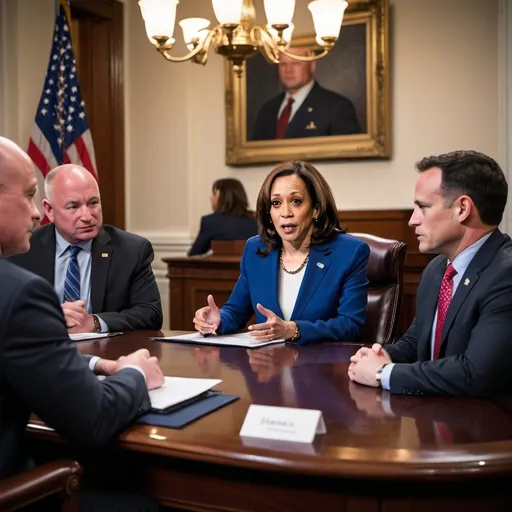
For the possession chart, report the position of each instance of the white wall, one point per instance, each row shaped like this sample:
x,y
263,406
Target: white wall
x,y
445,71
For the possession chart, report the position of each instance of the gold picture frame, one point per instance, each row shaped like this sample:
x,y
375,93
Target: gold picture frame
x,y
366,25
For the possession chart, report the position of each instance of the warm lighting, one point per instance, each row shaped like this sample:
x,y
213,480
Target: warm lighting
x,y
237,37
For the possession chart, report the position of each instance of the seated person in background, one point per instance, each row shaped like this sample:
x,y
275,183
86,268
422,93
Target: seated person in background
x,y
303,276
41,371
231,220
459,343
102,275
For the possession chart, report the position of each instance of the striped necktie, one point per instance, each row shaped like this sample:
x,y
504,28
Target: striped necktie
x,y
72,281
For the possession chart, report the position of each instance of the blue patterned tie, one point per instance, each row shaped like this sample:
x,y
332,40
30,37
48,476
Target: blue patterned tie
x,y
72,281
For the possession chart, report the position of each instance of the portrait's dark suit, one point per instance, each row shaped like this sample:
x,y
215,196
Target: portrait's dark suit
x,y
123,287
222,226
42,372
332,298
323,112
476,339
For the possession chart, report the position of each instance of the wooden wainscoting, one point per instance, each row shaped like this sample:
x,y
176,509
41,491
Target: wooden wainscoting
x,y
192,279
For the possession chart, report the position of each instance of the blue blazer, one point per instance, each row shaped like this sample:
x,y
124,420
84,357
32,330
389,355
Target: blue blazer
x,y
332,298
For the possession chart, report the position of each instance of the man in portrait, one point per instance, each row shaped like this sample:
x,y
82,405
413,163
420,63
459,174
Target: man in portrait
x,y
304,108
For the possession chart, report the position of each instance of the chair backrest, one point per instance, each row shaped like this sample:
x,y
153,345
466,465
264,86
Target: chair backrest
x,y
386,288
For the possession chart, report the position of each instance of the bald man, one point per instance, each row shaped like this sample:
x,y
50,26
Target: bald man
x,y
304,109
40,369
102,275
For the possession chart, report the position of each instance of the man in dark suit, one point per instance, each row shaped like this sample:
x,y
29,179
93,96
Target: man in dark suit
x,y
40,369
304,109
459,343
107,284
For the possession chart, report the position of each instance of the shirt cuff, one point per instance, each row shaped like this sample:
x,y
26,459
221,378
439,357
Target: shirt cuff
x,y
138,368
104,326
385,376
92,362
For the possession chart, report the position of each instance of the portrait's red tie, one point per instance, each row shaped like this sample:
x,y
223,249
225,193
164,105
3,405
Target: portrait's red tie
x,y
443,303
284,118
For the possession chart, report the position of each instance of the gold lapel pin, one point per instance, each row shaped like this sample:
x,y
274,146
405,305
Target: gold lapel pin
x,y
466,281
310,109
311,126
104,254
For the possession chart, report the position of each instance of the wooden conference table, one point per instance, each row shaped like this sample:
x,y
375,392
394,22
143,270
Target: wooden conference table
x,y
380,452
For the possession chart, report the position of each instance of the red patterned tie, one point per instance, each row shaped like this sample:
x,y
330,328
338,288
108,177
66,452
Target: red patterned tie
x,y
282,122
443,303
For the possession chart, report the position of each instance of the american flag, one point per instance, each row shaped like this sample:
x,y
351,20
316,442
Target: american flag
x,y
61,134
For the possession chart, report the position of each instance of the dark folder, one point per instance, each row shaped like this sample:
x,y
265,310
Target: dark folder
x,y
188,413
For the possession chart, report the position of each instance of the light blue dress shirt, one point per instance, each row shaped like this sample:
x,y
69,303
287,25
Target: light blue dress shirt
x,y
84,258
460,264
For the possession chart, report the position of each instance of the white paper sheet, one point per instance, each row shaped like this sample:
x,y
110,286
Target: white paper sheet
x,y
243,339
85,336
179,389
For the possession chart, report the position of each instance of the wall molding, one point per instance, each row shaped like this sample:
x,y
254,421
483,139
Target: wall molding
x,y
166,244
505,100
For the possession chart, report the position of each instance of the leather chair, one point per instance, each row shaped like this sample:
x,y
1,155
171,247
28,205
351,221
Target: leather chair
x,y
61,476
386,288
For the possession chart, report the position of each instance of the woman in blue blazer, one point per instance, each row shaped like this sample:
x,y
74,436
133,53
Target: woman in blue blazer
x,y
303,276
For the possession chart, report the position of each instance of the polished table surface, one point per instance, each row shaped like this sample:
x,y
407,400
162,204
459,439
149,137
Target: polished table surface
x,y
371,435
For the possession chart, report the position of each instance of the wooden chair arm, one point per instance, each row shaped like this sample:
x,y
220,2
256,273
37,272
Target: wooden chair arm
x,y
58,476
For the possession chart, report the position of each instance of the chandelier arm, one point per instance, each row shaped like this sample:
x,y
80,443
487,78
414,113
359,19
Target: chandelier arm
x,y
266,42
305,58
201,50
188,56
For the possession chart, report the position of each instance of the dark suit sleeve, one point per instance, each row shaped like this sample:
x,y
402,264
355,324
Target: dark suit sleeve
x,y
483,369
202,242
145,307
351,306
345,121
48,374
405,350
237,311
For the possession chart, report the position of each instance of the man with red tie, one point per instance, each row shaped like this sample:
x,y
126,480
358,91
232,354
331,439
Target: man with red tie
x,y
304,109
460,341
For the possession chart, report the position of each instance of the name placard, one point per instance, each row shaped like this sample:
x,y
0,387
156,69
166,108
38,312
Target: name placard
x,y
283,423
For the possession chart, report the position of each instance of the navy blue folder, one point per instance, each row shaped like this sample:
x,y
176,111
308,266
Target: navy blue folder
x,y
189,413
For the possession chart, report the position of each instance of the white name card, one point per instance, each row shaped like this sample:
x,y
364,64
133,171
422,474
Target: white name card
x,y
283,423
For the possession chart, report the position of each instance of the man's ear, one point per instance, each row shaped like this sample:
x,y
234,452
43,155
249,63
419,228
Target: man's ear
x,y
465,207
48,210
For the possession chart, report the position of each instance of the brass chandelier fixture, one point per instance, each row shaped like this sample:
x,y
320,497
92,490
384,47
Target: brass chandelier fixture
x,y
237,37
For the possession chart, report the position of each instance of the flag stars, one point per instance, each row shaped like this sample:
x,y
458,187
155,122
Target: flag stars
x,y
66,28
81,115
46,101
71,110
69,128
74,88
44,111
72,99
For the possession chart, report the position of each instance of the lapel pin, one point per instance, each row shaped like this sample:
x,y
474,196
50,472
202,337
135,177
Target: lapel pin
x,y
310,109
104,254
466,281
311,126
320,265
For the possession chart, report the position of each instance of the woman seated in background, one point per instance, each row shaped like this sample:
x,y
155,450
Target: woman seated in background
x,y
231,220
303,276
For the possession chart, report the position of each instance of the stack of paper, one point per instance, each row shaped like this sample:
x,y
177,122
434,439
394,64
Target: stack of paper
x,y
233,340
176,390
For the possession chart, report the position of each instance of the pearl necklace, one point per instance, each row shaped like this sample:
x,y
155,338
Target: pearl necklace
x,y
292,271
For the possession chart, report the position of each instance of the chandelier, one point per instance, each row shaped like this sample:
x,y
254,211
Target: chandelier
x,y
237,37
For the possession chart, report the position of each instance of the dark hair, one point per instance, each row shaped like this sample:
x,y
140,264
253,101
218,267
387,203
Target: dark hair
x,y
475,175
327,224
232,197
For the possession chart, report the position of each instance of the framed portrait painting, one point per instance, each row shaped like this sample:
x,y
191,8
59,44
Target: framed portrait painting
x,y
344,111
